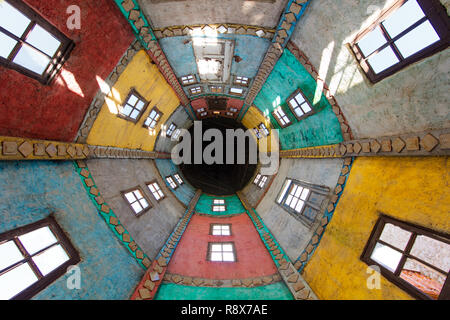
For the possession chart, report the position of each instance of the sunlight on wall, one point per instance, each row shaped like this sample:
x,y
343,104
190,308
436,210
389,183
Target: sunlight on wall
x,y
67,79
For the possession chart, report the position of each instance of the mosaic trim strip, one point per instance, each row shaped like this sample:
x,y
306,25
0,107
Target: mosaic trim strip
x,y
330,151
224,28
308,252
101,152
304,60
109,217
295,282
219,216
203,282
149,285
291,16
99,99
12,148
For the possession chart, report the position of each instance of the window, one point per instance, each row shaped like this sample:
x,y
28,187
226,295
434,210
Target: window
x,y
263,129
155,189
176,134
405,33
236,91
153,118
32,257
257,133
189,79
196,90
137,201
201,110
30,44
219,205
234,110
300,107
281,117
414,258
170,130
260,180
242,81
302,200
178,178
134,107
221,252
203,114
220,229
216,89
171,183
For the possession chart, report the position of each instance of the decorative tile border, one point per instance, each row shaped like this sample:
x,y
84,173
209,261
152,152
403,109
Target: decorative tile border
x,y
232,283
289,19
101,152
149,285
12,148
307,253
109,217
219,216
224,28
295,282
331,151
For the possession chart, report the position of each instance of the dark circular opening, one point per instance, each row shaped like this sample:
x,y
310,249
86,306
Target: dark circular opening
x,y
220,179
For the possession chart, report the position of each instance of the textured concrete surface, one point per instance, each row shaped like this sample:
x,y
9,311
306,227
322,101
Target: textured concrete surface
x,y
172,13
152,229
31,191
398,104
293,235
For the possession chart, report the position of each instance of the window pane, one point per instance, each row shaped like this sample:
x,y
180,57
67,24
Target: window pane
x,y
423,278
417,39
226,232
382,60
287,184
299,206
228,256
51,259
402,18
435,252
12,19
386,256
304,194
132,100
130,197
9,254
126,110
372,41
299,111
306,108
144,203
216,247
395,236
140,105
227,248
38,240
43,40
15,281
134,114
7,45
32,59
299,98
216,256
136,207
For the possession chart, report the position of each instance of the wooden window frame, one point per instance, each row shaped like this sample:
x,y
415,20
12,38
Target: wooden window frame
x,y
194,88
134,92
219,205
257,133
261,131
435,13
277,118
150,206
151,183
394,277
43,281
211,228
236,94
306,115
174,182
160,118
241,84
176,127
188,83
58,59
209,252
216,89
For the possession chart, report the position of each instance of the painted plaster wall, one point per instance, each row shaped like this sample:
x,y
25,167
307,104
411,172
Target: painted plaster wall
x,y
410,189
183,193
253,193
276,291
55,112
31,191
144,76
398,104
292,234
233,205
181,119
260,13
320,129
190,257
152,229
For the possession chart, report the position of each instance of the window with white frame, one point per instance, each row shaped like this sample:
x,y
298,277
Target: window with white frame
x,y
302,200
170,130
153,118
30,44
178,178
156,191
220,229
188,80
221,252
133,107
242,81
299,105
171,182
236,91
195,90
281,117
219,205
137,200
263,129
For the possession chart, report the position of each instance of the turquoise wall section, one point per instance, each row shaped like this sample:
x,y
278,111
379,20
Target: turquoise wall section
x,y
31,191
185,192
322,128
276,291
234,205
